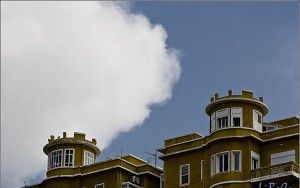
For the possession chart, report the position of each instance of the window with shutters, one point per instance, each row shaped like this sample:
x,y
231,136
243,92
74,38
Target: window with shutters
x,y
255,160
222,118
236,117
257,120
283,157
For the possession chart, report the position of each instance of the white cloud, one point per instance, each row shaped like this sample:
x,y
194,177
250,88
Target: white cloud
x,y
76,66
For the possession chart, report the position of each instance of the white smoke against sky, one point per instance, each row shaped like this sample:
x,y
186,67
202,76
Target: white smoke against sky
x,y
76,66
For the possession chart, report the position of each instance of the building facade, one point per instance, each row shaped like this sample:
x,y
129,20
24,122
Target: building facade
x,y
241,149
71,164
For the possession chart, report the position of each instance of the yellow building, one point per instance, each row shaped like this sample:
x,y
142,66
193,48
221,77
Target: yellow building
x,y
71,164
241,149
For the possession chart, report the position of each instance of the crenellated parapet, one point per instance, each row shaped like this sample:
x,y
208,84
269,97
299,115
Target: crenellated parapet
x,y
236,110
246,96
65,153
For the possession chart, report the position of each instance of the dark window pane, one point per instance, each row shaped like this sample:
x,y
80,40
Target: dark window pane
x,y
259,118
225,162
236,122
184,170
221,163
255,163
219,123
236,161
184,179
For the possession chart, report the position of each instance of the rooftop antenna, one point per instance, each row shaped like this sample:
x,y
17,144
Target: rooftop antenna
x,y
154,156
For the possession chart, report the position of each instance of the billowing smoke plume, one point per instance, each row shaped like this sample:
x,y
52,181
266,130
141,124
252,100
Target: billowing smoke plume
x,y
76,66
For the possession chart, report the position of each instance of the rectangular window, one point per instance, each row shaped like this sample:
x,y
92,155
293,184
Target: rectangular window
x,y
88,158
236,121
69,157
222,118
222,122
269,128
236,160
254,163
184,174
282,157
255,160
222,162
257,117
236,116
257,121
55,159
99,185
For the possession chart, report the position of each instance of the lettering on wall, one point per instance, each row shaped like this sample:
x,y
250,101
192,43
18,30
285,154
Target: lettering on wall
x,y
273,185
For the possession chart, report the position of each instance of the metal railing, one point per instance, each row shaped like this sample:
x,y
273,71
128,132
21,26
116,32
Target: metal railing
x,y
275,169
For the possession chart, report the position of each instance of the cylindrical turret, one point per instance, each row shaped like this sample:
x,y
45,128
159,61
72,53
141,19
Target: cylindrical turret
x,y
236,111
69,152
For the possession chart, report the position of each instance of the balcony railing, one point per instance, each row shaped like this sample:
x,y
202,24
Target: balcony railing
x,y
275,169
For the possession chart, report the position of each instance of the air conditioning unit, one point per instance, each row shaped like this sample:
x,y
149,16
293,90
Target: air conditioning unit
x,y
135,180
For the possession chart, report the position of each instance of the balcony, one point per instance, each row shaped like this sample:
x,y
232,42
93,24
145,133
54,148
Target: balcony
x,y
289,170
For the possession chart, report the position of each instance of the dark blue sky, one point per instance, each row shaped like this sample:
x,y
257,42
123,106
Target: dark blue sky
x,y
224,45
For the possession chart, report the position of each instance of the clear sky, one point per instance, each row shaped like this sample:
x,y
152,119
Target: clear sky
x,y
100,68
224,45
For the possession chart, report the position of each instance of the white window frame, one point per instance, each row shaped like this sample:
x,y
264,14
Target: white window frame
x,y
256,125
212,165
256,156
88,160
236,115
180,175
100,184
270,128
201,169
233,160
51,158
219,114
283,155
217,162
73,156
